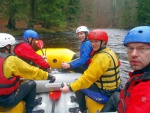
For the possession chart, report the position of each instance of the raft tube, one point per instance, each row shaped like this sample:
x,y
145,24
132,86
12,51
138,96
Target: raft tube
x,y
93,107
44,85
56,56
63,104
19,108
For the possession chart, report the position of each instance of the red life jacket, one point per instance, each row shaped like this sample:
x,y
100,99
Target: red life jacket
x,y
90,59
18,42
126,92
29,55
7,86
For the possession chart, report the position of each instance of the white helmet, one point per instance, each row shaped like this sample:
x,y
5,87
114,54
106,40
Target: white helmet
x,y
82,29
6,39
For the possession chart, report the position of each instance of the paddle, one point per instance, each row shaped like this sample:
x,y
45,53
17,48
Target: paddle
x,y
40,44
54,95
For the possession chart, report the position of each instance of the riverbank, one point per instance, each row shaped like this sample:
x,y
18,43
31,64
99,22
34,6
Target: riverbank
x,y
21,26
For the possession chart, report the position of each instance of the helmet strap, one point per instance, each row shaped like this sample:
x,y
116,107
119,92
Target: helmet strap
x,y
86,35
27,40
30,42
101,47
8,48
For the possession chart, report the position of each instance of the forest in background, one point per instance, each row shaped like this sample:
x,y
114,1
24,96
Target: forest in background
x,y
68,14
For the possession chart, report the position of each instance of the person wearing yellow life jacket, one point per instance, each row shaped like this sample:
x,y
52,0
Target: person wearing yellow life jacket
x,y
85,52
24,50
11,68
102,77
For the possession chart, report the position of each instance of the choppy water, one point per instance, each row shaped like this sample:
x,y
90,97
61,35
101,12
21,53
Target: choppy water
x,y
69,40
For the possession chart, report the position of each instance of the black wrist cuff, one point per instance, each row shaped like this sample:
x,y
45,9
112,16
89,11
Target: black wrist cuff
x,y
70,88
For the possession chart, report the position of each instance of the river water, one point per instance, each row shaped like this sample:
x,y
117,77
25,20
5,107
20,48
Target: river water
x,y
70,41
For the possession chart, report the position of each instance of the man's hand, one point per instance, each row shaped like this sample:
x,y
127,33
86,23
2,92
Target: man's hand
x,y
49,70
65,65
51,78
65,88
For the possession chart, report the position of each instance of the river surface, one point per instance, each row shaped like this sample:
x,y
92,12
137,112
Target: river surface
x,y
70,41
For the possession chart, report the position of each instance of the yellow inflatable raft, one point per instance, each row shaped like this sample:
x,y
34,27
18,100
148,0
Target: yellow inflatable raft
x,y
93,106
17,109
55,56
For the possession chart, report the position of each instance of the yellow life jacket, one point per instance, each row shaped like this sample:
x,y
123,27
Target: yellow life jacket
x,y
110,80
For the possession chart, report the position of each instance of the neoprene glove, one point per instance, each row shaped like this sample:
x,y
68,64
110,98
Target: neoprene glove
x,y
51,78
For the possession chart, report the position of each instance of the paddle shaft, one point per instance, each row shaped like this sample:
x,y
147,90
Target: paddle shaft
x,y
53,107
40,44
42,52
55,95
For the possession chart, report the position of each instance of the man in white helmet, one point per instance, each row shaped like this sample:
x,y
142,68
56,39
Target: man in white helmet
x,y
11,69
85,50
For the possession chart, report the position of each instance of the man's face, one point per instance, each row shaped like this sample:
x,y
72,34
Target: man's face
x,y
138,55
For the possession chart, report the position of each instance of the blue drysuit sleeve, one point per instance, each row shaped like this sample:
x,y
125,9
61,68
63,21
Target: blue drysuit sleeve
x,y
85,50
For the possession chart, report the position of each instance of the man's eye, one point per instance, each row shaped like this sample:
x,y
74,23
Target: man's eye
x,y
130,48
142,48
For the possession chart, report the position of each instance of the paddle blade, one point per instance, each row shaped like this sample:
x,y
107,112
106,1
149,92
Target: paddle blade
x,y
39,44
55,95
